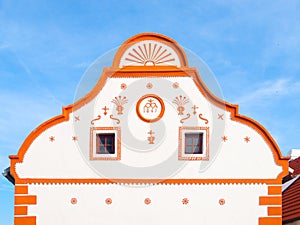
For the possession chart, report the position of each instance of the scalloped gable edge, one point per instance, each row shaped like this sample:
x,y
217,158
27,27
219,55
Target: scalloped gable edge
x,y
145,72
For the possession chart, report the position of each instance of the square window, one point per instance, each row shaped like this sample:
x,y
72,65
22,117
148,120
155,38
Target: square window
x,y
105,143
193,143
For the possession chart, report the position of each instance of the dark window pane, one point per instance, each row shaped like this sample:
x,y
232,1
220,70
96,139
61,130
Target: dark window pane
x,y
188,149
109,140
105,143
188,140
110,149
102,140
193,143
197,149
102,150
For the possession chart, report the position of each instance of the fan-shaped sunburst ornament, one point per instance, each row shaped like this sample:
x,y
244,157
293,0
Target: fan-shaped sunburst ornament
x,y
149,53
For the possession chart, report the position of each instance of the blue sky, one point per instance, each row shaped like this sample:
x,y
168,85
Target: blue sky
x,y
253,48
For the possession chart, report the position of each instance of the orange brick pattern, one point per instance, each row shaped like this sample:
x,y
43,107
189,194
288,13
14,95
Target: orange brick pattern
x,y
22,200
25,220
273,202
20,210
21,189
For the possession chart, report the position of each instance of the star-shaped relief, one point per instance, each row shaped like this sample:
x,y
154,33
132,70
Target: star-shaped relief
x,y
74,138
224,138
51,138
247,139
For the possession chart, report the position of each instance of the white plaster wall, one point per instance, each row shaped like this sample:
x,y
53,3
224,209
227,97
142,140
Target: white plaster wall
x,y
128,207
65,158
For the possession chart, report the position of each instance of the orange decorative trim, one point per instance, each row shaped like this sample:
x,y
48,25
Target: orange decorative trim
x,y
175,85
118,145
185,118
274,211
119,101
21,189
148,181
222,201
105,110
25,200
123,86
185,201
149,85
180,101
147,201
162,110
224,138
116,119
270,200
151,36
270,221
151,138
108,201
274,190
153,71
202,118
51,138
220,116
97,118
25,220
181,155
73,201
21,210
247,139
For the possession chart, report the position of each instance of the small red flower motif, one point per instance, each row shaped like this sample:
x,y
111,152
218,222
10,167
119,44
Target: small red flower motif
x,y
175,85
74,138
149,85
147,201
247,139
222,201
123,86
52,138
185,201
108,201
73,201
224,138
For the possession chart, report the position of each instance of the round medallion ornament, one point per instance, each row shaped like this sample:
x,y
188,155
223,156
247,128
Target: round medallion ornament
x,y
150,108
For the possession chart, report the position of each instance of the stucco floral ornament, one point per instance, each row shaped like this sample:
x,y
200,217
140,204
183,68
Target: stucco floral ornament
x,y
119,101
185,201
108,201
147,201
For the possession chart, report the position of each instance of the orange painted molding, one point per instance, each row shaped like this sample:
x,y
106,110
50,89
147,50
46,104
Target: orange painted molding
x,y
20,210
25,200
274,190
270,200
270,221
21,189
28,220
150,181
150,36
154,71
274,211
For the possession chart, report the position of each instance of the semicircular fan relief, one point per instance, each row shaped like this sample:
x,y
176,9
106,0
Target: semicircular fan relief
x,y
149,53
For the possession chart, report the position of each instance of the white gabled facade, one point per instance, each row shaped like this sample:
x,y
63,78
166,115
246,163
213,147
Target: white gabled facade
x,y
150,144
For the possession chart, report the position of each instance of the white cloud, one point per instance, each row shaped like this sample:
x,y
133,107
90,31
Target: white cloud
x,y
269,90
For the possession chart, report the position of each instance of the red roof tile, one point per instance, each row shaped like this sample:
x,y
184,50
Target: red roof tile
x,y
291,196
295,165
